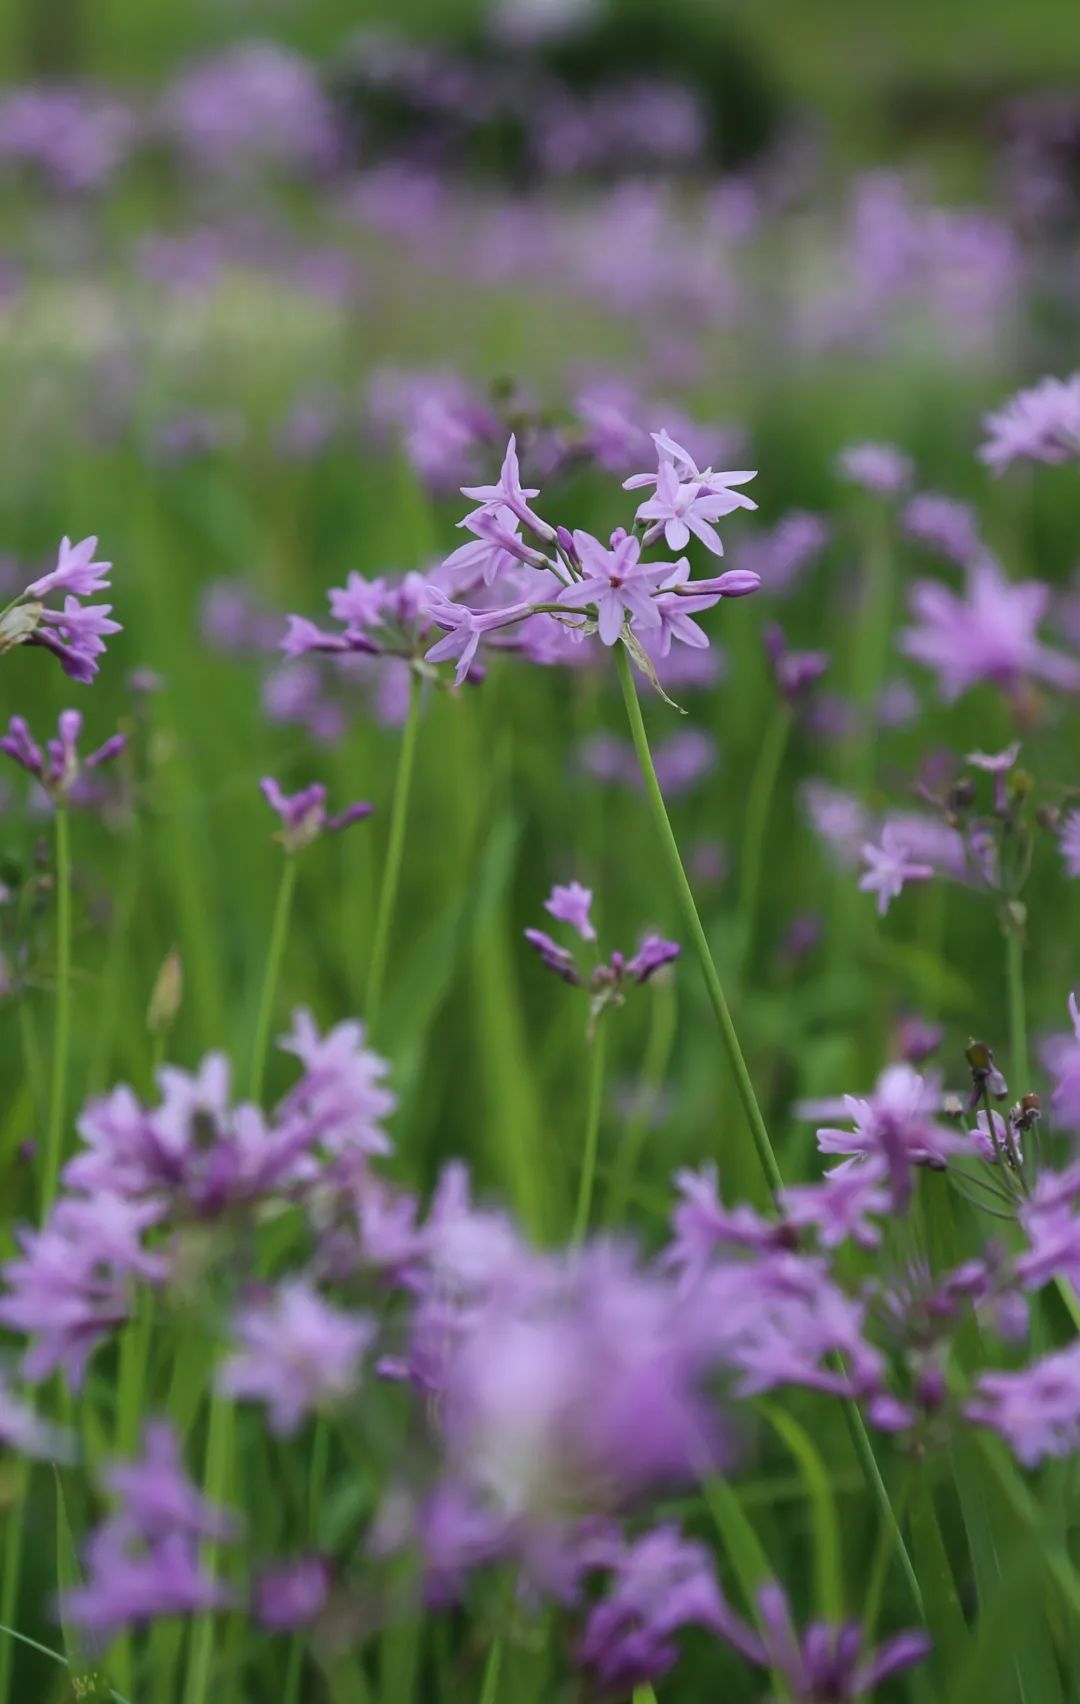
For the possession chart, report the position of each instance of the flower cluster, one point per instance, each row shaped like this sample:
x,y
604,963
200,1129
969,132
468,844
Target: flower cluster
x,y
75,632
607,980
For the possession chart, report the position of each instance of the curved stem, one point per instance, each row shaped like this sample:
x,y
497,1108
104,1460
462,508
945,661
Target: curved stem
x,y
275,953
62,1040
685,895
759,799
594,1105
399,809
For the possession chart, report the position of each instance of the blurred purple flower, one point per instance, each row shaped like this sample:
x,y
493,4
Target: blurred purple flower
x,y
880,468
303,815
889,866
571,905
989,634
295,1353
1039,424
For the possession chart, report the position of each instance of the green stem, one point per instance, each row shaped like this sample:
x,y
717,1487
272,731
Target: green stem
x,y
9,1592
860,1437
489,1691
1018,1049
219,1437
62,1037
872,634
685,895
279,930
758,802
594,1105
399,810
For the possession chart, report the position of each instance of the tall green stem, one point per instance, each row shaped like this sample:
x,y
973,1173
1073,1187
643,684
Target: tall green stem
x,y
399,810
758,802
597,1047
14,1528
219,1437
489,1689
864,1448
62,1041
1018,1048
279,930
685,895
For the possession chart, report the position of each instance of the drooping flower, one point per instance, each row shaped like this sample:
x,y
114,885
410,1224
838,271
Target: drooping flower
x,y
1039,424
989,634
296,1353
889,865
303,815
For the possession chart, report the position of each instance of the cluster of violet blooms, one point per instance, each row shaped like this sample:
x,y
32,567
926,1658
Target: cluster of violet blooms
x,y
562,587
606,980
74,631
556,1392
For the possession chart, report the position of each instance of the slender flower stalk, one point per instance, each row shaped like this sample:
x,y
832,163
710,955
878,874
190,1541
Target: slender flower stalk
x,y
399,810
489,1690
758,804
279,930
62,1040
1018,1047
12,1570
219,1441
688,906
594,1106
766,1156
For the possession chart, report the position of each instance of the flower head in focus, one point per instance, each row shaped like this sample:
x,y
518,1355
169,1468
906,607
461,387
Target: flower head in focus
x,y
75,632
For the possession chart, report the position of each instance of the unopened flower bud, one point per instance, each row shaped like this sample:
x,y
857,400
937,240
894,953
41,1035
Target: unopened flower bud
x,y
166,995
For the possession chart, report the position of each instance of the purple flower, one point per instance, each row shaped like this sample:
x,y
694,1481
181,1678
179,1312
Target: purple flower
x,y
555,957
795,672
303,815
676,509
839,1207
295,1353
464,629
989,634
496,548
617,583
827,1665
358,604
944,525
889,866
896,1125
657,1584
69,1288
293,1594
1040,424
651,956
143,1562
1069,842
571,905
510,494
780,554
76,572
1037,1409
1061,1056
76,636
880,468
